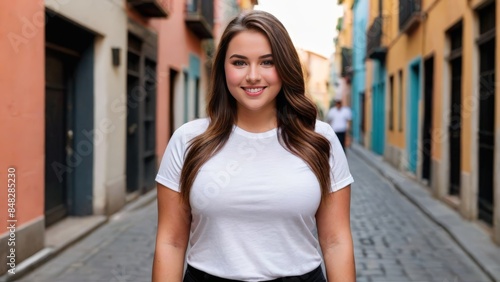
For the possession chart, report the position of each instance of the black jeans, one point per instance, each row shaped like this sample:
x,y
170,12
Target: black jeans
x,y
194,275
341,136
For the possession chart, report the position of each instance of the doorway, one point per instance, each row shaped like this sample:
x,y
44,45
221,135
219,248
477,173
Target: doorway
x,y
59,130
455,118
486,137
141,114
378,111
427,126
69,120
413,110
171,93
362,114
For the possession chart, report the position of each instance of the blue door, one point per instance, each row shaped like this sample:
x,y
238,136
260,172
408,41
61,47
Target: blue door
x,y
378,133
412,117
378,111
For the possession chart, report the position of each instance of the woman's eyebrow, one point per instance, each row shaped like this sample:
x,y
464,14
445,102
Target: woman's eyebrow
x,y
243,57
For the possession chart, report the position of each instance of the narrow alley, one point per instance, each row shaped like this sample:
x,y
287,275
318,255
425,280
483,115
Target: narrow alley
x,y
394,241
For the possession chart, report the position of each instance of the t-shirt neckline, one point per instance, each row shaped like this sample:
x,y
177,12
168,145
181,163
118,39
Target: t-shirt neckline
x,y
240,131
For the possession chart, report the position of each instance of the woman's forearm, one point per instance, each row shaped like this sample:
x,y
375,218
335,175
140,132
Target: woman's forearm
x,y
168,263
339,263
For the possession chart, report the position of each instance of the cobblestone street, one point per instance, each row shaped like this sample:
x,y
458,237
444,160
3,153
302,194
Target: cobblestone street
x,y
394,241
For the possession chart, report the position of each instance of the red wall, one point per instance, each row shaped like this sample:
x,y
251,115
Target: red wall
x,y
22,110
175,44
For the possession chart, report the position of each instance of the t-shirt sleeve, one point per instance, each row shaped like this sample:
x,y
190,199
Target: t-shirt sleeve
x,y
339,168
173,159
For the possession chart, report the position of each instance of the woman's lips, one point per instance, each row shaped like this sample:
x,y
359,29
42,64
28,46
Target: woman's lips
x,y
253,91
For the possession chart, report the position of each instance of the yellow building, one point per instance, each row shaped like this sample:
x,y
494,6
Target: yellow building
x,y
315,67
441,118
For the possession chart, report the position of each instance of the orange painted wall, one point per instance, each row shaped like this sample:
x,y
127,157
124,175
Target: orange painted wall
x,y
22,111
175,43
403,49
395,63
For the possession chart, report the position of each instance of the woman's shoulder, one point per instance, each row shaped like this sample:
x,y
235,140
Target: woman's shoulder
x,y
323,128
192,128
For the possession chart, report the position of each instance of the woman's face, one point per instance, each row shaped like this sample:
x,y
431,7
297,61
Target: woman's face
x,y
251,76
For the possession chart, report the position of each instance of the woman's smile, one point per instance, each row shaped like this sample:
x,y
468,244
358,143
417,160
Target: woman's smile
x,y
253,91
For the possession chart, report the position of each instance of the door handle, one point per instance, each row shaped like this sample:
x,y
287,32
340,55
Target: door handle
x,y
69,142
132,128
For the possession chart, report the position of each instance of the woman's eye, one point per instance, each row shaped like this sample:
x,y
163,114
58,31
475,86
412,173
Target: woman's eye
x,y
238,63
268,63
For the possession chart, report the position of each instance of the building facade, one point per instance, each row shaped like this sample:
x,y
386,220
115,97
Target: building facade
x,y
80,171
22,118
431,68
360,22
108,83
341,62
316,69
461,64
378,38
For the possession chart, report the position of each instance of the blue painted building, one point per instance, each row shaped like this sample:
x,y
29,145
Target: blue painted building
x,y
360,18
376,52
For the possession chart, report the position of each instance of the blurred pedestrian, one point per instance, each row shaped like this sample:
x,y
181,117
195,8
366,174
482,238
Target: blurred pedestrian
x,y
339,117
249,186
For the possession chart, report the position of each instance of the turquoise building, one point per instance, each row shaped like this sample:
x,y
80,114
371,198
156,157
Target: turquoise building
x,y
360,18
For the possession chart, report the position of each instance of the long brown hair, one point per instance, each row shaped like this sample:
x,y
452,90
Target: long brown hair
x,y
296,114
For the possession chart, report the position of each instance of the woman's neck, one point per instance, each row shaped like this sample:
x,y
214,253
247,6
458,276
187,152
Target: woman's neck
x,y
256,121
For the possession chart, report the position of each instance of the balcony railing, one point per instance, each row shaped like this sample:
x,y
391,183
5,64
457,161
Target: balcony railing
x,y
149,8
374,45
410,14
200,17
346,60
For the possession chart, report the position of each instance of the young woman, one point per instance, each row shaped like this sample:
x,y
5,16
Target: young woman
x,y
258,186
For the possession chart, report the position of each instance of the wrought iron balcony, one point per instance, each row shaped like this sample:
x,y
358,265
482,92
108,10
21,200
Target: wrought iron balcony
x,y
374,45
200,17
410,14
346,61
149,8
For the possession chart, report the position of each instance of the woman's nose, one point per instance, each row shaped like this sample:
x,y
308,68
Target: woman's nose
x,y
253,74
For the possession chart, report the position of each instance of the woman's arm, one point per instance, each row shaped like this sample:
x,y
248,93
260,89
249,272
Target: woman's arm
x,y
172,236
334,232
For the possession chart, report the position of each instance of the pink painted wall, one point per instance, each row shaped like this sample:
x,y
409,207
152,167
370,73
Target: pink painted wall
x,y
22,110
175,43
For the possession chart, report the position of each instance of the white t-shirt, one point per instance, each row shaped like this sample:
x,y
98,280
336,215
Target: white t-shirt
x,y
253,204
338,118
